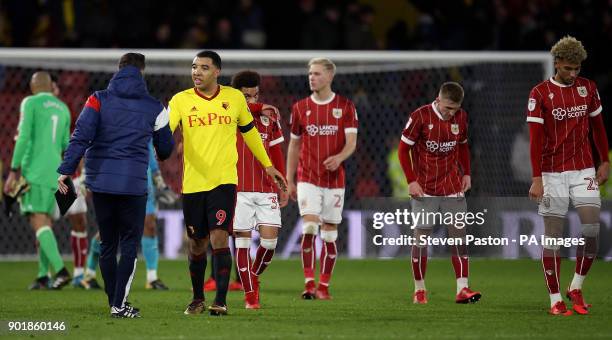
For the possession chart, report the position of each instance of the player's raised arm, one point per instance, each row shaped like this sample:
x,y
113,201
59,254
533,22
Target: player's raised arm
x,y
253,141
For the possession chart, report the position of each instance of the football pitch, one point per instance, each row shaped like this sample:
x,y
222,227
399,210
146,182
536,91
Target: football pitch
x,y
372,299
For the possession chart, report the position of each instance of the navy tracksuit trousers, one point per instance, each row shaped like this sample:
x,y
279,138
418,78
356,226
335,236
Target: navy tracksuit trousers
x,y
121,223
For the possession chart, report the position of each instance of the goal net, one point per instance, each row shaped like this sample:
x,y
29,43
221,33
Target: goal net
x,y
385,87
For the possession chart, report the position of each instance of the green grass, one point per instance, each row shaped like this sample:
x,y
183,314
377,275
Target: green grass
x,y
372,299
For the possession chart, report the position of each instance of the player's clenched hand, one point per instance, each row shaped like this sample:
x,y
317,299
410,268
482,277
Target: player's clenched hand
x,y
603,171
466,183
415,190
277,177
61,186
284,199
292,190
10,182
536,192
332,163
270,112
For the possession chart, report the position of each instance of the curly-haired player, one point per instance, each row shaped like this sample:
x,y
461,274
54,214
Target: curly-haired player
x,y
561,112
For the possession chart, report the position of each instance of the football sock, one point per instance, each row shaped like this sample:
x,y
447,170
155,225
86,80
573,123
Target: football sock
x,y
551,263
243,263
461,265
308,256
262,259
223,266
79,244
197,266
150,252
419,266
48,245
93,257
328,261
43,263
585,255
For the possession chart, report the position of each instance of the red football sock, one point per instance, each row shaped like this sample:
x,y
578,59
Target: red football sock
x,y
308,256
243,262
551,264
328,261
262,260
460,261
419,262
79,244
584,260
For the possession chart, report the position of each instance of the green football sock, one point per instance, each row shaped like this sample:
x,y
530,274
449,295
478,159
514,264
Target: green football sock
x,y
43,264
48,245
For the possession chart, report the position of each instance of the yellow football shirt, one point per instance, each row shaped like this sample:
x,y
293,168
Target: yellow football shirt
x,y
209,126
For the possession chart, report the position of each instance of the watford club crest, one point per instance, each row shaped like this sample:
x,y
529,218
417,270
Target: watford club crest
x,y
337,113
225,105
455,129
582,91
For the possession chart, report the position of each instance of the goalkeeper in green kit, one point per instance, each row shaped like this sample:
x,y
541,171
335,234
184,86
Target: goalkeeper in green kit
x,y
42,137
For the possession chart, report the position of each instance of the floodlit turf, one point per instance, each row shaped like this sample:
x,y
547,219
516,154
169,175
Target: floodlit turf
x,y
372,300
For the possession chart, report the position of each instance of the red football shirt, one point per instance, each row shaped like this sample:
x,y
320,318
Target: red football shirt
x,y
435,153
251,175
565,110
322,127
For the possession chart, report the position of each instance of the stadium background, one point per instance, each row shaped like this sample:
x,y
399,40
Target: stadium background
x,y
384,92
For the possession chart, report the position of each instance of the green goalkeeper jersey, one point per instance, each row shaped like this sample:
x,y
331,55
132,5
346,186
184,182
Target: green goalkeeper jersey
x,y
42,137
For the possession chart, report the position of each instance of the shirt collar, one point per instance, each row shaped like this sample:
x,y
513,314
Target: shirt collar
x,y
552,80
433,106
329,100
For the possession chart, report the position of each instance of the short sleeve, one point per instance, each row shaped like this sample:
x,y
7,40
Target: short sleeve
x,y
534,107
350,119
296,127
412,130
277,134
595,107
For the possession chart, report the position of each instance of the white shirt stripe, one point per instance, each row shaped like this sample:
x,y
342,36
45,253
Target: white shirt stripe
x,y
277,141
535,120
407,141
596,112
